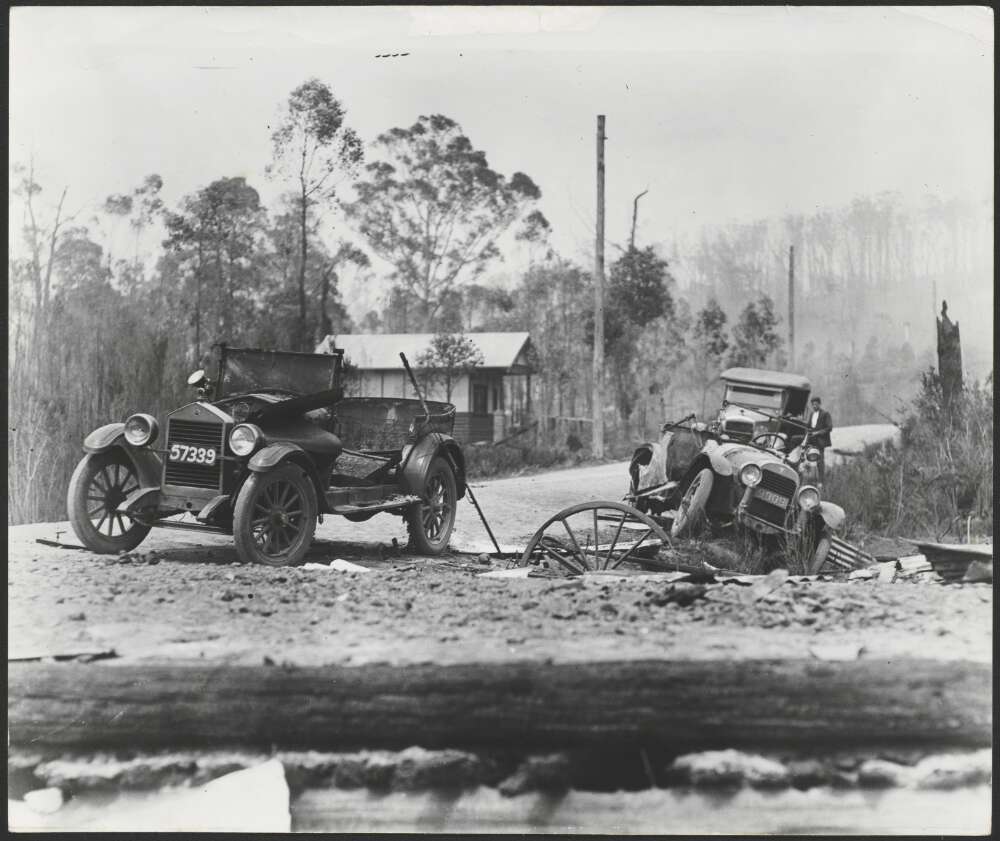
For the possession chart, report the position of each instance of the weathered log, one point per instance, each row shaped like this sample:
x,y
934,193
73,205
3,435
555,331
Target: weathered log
x,y
667,703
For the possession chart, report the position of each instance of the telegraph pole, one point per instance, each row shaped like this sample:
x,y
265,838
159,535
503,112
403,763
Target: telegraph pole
x,y
597,398
791,306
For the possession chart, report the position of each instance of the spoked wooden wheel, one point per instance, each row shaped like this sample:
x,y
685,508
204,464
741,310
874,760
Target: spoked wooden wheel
x,y
595,536
101,483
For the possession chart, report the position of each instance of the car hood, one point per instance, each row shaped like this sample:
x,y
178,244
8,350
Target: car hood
x,y
740,454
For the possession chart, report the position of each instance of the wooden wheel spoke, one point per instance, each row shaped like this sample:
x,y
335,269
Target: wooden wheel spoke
x,y
614,541
576,546
566,561
121,523
632,548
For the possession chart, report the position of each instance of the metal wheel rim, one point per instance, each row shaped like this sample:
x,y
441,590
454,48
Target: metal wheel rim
x,y
278,513
435,511
685,503
109,487
592,555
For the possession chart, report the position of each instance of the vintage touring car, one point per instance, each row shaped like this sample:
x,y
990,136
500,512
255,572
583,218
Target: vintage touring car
x,y
751,469
263,453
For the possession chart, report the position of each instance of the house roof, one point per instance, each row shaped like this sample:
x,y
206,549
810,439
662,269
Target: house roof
x,y
380,351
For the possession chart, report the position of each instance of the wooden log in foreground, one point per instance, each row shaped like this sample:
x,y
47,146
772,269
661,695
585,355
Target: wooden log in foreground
x,y
677,704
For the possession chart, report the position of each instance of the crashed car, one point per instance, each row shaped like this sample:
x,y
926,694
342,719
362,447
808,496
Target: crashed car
x,y
762,404
697,474
267,450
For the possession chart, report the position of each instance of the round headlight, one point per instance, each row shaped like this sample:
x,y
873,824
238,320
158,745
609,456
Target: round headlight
x,y
750,475
808,497
244,438
812,454
141,430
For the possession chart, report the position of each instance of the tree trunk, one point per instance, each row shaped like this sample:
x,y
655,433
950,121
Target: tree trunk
x,y
676,704
301,333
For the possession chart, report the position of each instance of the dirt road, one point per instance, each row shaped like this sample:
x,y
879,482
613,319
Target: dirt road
x,y
183,595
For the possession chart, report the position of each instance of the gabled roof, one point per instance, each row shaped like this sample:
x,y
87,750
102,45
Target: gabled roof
x,y
758,376
380,351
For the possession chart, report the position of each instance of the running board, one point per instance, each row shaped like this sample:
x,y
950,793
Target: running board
x,y
169,524
398,501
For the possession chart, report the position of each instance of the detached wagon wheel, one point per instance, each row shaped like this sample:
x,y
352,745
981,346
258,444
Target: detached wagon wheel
x,y
431,521
275,517
594,536
100,483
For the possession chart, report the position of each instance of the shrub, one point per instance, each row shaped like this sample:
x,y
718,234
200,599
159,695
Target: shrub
x,y
940,474
486,460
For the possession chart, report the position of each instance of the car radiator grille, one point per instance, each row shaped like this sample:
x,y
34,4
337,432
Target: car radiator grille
x,y
194,434
779,484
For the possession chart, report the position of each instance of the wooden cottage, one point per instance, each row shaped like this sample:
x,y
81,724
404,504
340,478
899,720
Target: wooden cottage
x,y
491,402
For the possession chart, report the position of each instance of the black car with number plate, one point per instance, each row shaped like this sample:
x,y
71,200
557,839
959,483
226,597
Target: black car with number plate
x,y
265,451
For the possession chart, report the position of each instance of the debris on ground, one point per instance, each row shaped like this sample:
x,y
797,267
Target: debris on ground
x,y
56,544
338,565
681,593
768,584
952,560
839,652
87,655
515,572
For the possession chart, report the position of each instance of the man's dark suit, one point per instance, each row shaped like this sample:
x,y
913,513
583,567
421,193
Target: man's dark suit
x,y
824,423
820,438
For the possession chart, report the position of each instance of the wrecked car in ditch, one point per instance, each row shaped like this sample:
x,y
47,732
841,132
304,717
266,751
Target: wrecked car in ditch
x,y
267,450
749,469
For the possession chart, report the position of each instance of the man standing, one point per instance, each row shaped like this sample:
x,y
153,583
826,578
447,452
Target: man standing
x,y
820,427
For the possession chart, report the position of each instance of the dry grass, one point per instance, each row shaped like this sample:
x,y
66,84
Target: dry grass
x,y
941,474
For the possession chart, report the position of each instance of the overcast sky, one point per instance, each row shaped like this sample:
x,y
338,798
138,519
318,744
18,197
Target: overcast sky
x,y
723,113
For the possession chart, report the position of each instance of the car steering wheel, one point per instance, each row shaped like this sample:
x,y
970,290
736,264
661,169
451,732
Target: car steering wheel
x,y
769,441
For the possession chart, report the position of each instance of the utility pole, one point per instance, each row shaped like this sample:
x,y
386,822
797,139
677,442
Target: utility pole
x,y
791,306
597,398
635,213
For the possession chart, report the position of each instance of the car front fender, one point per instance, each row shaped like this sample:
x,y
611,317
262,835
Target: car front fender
x,y
111,436
265,460
833,515
104,438
274,455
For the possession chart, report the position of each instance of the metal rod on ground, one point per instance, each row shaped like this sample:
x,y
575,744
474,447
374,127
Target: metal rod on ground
x,y
468,488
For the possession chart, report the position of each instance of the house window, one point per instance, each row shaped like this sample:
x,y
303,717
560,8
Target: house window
x,y
496,399
480,394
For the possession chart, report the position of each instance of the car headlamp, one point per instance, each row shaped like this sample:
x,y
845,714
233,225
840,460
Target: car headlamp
x,y
750,475
808,497
812,454
244,438
141,430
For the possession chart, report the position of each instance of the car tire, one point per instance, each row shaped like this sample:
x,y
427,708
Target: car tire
x,y
819,555
430,523
691,509
274,518
100,483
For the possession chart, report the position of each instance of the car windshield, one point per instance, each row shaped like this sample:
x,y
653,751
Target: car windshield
x,y
298,373
758,398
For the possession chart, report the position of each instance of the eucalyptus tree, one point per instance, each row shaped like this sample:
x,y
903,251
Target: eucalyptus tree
x,y
432,207
314,148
